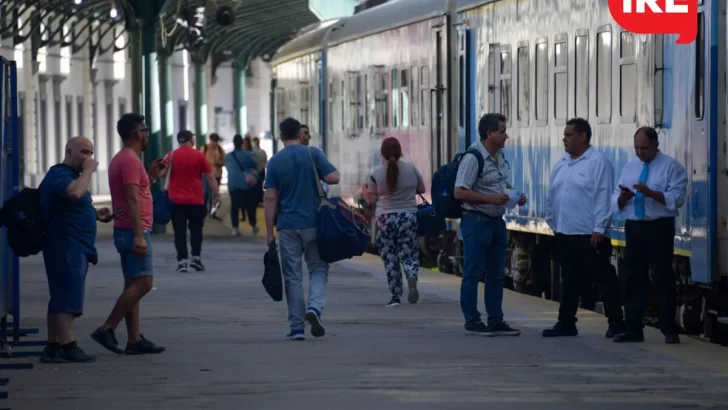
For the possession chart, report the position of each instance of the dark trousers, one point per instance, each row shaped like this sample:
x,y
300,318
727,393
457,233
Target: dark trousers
x,y
585,269
650,244
246,201
184,217
259,188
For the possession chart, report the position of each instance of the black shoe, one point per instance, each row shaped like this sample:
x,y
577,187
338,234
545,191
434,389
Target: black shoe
x,y
143,346
478,328
630,336
672,338
107,339
503,329
615,329
317,329
394,302
196,264
71,353
561,329
182,266
49,353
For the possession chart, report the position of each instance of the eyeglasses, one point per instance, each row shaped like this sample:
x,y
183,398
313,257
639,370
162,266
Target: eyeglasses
x,y
143,129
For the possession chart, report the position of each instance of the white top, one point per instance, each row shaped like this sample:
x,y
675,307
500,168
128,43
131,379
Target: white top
x,y
665,175
578,202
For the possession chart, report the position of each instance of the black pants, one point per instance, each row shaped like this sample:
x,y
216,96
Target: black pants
x,y
259,188
184,217
584,270
650,244
246,201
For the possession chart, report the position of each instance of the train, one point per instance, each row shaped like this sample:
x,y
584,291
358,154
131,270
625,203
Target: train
x,y
424,71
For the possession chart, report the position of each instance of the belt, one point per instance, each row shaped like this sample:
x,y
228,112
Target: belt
x,y
470,211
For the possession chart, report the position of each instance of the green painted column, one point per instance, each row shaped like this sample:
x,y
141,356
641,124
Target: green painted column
x,y
239,88
166,103
200,103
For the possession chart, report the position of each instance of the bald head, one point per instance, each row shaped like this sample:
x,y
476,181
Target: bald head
x,y
77,150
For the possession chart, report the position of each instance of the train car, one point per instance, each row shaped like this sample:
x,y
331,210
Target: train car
x,y
424,71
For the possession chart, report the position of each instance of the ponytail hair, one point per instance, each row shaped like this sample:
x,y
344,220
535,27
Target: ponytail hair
x,y
391,151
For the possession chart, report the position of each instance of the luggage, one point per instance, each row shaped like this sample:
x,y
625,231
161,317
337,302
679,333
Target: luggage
x,y
428,222
272,279
342,231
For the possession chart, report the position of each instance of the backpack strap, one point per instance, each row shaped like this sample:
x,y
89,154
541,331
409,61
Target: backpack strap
x,y
479,157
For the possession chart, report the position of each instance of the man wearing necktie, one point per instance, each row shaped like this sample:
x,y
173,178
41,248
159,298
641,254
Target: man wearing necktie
x,y
650,192
579,213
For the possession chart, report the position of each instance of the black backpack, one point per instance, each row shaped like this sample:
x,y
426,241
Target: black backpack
x,y
22,217
443,186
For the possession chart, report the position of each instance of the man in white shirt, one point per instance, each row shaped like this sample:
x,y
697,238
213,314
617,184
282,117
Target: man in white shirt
x,y
651,190
578,211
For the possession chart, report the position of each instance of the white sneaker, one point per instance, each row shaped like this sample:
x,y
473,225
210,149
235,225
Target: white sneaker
x,y
256,230
236,232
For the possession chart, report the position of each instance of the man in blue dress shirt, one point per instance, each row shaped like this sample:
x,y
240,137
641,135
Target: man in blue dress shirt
x,y
578,211
651,190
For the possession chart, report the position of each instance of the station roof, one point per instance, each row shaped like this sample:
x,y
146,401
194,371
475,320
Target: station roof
x,y
259,28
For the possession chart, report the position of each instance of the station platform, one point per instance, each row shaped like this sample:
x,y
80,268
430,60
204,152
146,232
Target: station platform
x,y
226,347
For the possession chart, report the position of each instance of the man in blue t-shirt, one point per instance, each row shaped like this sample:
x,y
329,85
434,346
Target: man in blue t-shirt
x,y
70,222
242,172
291,191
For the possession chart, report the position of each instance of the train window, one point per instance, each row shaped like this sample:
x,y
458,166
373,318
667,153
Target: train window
x,y
424,94
359,103
330,114
305,105
343,108
604,74
581,77
700,68
462,93
352,97
395,97
627,77
366,96
542,81
44,132
505,85
522,84
491,83
414,95
404,99
561,82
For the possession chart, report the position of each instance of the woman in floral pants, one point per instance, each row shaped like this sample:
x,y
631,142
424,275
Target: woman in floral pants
x,y
393,188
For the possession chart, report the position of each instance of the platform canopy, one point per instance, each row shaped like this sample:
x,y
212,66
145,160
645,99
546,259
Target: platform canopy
x,y
239,30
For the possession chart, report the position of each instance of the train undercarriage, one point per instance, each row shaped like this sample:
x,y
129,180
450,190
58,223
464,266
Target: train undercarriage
x,y
530,269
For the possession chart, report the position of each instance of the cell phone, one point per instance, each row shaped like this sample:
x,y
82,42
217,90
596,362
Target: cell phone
x,y
624,188
117,212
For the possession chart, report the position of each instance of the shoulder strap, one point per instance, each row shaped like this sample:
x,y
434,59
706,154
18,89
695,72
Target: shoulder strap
x,y
479,157
235,157
169,173
321,192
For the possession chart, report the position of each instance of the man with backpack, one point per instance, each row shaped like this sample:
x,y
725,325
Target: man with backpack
x,y
69,220
480,184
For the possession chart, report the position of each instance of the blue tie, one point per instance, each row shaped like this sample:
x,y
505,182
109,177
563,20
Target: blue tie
x,y
639,198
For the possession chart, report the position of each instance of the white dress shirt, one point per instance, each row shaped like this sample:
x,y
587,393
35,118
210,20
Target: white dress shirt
x,y
579,194
665,175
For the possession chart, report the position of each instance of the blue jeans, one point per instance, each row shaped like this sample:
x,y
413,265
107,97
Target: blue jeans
x,y
133,266
485,240
295,244
66,270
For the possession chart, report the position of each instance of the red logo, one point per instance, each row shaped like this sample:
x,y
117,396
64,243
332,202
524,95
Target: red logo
x,y
658,17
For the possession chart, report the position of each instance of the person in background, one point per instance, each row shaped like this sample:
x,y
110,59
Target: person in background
x,y
70,219
290,192
242,170
578,211
261,157
394,187
187,167
129,184
216,157
650,192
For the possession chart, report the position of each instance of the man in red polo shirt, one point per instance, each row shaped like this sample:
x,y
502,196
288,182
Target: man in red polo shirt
x,y
187,166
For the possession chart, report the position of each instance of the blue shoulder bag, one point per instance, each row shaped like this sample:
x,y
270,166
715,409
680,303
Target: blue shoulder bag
x,y
342,232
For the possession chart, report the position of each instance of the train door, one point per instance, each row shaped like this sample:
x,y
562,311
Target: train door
x,y
438,123
466,128
703,167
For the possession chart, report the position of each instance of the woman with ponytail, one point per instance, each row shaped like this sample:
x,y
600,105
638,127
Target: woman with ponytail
x,y
393,187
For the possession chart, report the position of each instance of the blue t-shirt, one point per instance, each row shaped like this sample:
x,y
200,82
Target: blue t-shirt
x,y
291,173
70,224
236,175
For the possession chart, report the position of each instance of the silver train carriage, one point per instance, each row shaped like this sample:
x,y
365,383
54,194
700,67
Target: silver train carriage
x,y
424,71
